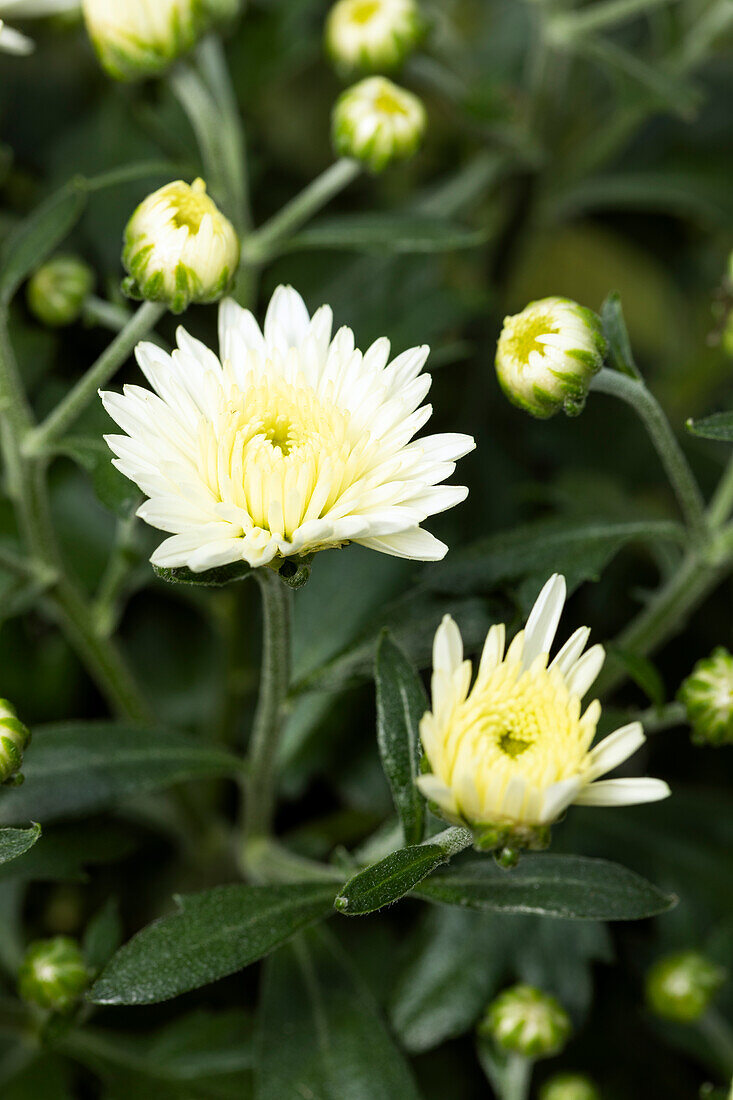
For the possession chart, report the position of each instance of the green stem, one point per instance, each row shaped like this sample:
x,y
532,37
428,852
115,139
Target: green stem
x,y
41,439
261,245
599,17
517,1079
105,314
719,1037
721,505
677,468
259,805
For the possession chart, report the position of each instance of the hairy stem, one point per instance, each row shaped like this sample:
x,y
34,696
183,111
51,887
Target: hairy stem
x,y
259,804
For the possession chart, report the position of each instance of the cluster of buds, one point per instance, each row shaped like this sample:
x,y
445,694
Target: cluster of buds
x,y
547,356
14,740
57,291
53,975
569,1086
707,696
681,986
523,1020
141,38
179,248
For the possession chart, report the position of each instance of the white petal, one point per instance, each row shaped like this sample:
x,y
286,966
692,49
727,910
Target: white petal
x,y
585,671
544,618
493,650
447,647
13,41
615,748
416,544
623,792
436,791
572,650
557,798
287,319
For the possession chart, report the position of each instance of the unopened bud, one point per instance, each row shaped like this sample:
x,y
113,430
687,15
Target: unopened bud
x,y
547,356
140,38
681,986
372,35
56,292
377,123
707,696
569,1086
14,740
53,974
179,248
526,1021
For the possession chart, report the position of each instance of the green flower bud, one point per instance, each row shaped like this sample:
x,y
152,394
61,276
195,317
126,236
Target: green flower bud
x,y
569,1086
57,291
707,696
140,38
179,248
372,35
547,355
14,740
53,974
526,1021
377,123
681,986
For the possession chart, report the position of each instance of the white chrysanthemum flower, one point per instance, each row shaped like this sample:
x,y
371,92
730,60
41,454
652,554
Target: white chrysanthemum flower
x,y
376,122
291,442
139,38
547,355
514,750
372,34
12,41
179,248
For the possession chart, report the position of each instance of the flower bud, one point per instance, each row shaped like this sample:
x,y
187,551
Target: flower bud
x,y
377,123
681,986
14,740
57,291
526,1021
547,355
372,35
139,38
707,696
53,974
179,248
569,1086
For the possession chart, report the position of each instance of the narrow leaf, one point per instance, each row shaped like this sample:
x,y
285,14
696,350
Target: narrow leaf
x,y
616,333
214,934
320,1033
390,233
719,426
401,703
16,842
78,767
389,880
37,237
573,887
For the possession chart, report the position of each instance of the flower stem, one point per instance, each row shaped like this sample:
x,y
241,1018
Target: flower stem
x,y
722,503
565,27
719,1036
517,1079
676,466
261,245
259,807
40,440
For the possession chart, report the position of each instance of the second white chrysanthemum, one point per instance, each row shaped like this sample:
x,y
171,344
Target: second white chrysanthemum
x,y
292,442
513,751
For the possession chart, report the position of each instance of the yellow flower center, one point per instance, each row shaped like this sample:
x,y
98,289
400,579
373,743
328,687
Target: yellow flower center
x,y
191,205
389,104
523,336
364,10
283,456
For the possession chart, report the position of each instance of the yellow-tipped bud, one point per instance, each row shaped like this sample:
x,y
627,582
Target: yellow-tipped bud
x,y
372,35
377,123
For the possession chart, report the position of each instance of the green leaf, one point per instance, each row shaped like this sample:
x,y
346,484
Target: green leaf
x,y
573,887
642,671
580,549
81,766
320,1033
214,934
387,233
401,703
719,426
16,842
65,851
37,237
210,578
116,492
103,935
389,880
616,333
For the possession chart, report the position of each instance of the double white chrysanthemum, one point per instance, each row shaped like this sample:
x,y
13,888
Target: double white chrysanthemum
x,y
12,41
292,442
514,750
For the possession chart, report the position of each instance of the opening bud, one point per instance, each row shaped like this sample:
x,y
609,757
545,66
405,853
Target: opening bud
x,y
53,974
526,1021
372,35
57,291
547,355
707,696
14,740
179,248
681,986
569,1086
377,123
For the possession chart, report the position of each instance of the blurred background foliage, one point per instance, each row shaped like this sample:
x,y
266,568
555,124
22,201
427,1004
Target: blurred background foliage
x,y
583,157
